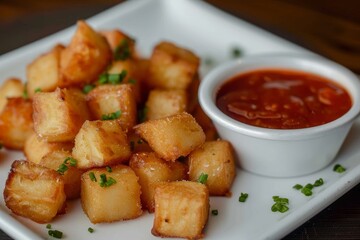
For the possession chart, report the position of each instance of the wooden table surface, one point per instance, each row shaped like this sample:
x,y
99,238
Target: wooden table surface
x,y
329,28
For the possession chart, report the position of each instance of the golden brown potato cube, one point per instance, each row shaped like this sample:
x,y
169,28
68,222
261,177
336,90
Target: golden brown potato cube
x,y
16,122
109,196
101,143
181,209
206,123
151,170
35,147
11,87
108,99
87,55
43,74
63,162
59,115
216,159
34,192
164,103
172,137
132,77
121,44
172,67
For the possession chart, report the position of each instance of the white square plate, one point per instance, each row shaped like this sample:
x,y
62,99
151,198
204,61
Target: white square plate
x,y
209,33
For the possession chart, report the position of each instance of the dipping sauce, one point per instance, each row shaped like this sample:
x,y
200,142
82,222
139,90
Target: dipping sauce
x,y
282,99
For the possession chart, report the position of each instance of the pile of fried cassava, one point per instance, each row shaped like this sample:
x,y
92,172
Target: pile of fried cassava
x,y
124,133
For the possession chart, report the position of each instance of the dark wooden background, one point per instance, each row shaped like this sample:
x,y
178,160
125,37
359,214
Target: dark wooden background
x,y
328,27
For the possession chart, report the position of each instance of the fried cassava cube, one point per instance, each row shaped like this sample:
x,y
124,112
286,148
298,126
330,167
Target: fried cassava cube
x,y
16,122
121,44
164,103
11,87
181,209
63,162
172,137
35,147
172,67
34,191
108,99
110,195
59,115
151,170
129,68
86,57
216,159
43,74
101,143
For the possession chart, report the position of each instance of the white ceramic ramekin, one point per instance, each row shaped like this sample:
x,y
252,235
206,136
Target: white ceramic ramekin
x,y
278,152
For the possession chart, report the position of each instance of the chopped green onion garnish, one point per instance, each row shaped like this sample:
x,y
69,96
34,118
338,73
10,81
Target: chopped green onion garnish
x,y
92,177
62,168
278,207
280,204
306,191
87,88
209,61
90,230
106,182
309,186
297,186
236,52
111,116
71,161
243,197
338,168
203,178
48,226
37,90
214,212
113,78
122,51
55,233
108,169
319,182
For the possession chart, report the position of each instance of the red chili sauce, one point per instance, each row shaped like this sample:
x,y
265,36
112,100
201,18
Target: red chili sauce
x,y
282,99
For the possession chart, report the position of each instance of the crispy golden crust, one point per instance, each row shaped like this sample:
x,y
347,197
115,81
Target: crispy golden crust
x,y
108,98
12,87
86,57
164,103
35,147
172,67
34,191
44,72
151,169
59,115
16,122
172,137
181,209
120,201
101,143
72,176
215,158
